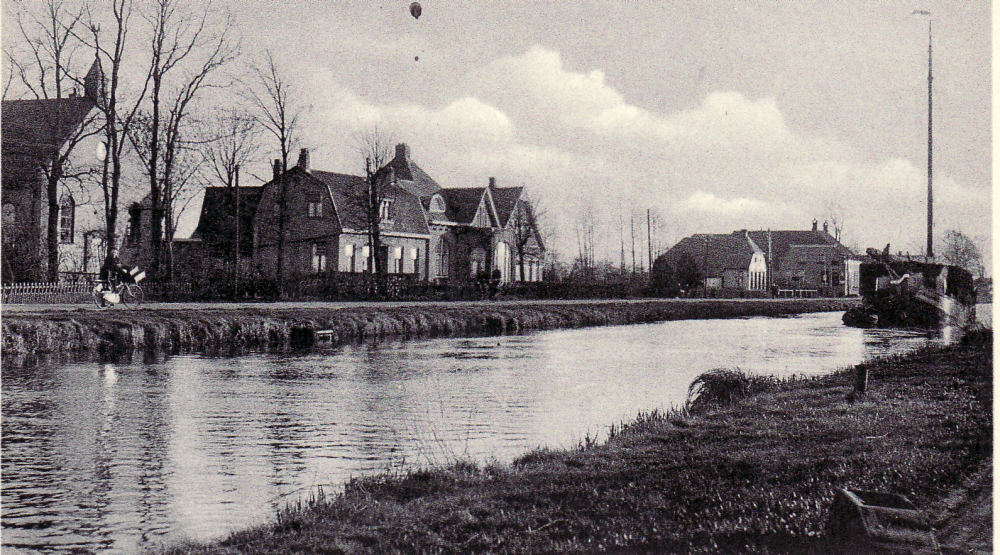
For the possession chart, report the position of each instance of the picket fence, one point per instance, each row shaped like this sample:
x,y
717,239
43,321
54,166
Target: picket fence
x,y
47,293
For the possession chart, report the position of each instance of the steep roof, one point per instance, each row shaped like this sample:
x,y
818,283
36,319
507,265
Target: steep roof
x,y
408,215
782,240
411,177
505,200
462,203
714,253
342,189
38,128
216,226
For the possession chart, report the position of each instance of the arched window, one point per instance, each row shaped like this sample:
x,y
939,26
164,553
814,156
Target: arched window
x,y
67,219
437,204
501,261
9,216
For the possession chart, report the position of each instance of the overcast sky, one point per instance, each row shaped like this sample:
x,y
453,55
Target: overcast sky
x,y
717,116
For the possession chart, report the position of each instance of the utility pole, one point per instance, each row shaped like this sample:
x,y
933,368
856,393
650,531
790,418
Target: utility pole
x,y
930,143
649,241
236,266
633,241
930,136
621,236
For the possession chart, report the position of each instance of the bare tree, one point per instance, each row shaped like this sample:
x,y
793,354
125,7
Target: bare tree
x,y
117,117
276,111
960,250
188,41
374,147
835,214
51,44
8,75
586,229
526,232
230,142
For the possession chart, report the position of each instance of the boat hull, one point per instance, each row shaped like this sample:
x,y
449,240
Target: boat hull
x,y
909,294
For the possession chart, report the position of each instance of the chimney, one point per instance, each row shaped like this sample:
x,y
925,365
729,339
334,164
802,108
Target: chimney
x,y
304,159
403,152
493,183
826,227
277,169
815,223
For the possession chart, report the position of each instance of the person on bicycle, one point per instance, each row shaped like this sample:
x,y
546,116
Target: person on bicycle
x,y
113,273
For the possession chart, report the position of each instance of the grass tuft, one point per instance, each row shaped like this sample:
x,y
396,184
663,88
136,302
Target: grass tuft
x,y
723,387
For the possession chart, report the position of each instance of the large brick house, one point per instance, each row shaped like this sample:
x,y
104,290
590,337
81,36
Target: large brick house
x,y
325,225
35,133
447,235
776,261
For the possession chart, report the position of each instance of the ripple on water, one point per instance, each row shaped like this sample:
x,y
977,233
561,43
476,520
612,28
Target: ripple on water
x,y
107,458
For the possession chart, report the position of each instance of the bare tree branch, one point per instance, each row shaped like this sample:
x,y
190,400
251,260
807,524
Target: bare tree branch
x,y
375,147
272,98
50,38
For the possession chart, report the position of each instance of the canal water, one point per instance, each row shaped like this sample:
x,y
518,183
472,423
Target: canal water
x,y
117,458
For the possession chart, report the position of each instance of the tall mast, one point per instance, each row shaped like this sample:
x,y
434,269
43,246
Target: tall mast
x,y
930,144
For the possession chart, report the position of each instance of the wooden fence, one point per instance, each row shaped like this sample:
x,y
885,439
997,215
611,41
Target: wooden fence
x,y
48,293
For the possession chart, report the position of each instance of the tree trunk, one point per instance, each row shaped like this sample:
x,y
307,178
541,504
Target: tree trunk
x,y
155,192
281,235
52,231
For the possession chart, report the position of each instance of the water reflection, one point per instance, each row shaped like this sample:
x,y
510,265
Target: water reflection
x,y
108,458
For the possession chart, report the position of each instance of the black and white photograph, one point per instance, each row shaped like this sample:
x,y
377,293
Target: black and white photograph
x,y
496,277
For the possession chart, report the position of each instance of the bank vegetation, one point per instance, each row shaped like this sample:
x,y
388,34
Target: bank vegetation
x,y
751,467
223,329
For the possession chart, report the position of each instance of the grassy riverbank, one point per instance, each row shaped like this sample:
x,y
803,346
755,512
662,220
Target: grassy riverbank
x,y
225,329
756,476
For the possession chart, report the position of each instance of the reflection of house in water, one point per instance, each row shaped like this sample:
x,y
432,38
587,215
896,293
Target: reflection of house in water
x,y
784,262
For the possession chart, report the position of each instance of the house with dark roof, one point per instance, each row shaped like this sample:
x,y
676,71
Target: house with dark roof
x,y
519,229
790,262
222,221
325,224
447,235
725,261
36,133
809,260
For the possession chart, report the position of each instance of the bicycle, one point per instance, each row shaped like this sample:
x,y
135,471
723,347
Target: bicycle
x,y
128,294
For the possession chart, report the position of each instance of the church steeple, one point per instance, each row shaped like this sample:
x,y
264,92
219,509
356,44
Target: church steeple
x,y
93,83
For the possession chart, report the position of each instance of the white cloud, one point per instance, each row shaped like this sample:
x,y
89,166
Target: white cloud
x,y
707,203
731,162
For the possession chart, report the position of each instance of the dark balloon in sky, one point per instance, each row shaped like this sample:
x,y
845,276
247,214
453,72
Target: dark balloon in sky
x,y
415,10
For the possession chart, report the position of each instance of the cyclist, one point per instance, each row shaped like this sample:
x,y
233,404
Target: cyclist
x,y
113,273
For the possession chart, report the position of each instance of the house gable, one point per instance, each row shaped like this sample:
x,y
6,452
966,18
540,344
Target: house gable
x,y
506,200
217,223
34,133
410,176
464,205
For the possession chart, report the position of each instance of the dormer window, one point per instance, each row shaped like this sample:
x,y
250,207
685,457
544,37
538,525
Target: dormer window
x,y
315,208
437,204
385,211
